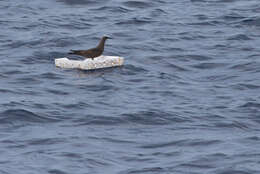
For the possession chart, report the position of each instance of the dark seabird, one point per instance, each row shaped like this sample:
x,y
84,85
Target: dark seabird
x,y
93,52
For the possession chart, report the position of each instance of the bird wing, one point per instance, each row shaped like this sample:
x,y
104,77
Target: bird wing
x,y
84,52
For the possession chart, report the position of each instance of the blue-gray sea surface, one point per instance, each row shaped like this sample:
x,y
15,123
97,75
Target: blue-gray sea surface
x,y
187,100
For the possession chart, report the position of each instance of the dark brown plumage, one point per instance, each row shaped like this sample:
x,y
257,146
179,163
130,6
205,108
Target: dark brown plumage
x,y
93,52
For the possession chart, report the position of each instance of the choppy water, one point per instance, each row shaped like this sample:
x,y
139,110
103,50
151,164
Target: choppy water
x,y
187,100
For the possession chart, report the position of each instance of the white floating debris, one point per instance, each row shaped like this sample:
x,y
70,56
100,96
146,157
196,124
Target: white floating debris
x,y
89,64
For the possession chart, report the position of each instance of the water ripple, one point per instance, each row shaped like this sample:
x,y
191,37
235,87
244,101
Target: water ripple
x,y
138,4
21,115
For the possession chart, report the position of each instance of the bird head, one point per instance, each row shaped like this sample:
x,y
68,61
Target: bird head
x,y
106,37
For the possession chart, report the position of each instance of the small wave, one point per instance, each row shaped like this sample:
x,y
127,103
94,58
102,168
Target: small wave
x,y
26,80
251,105
239,37
132,70
3,76
221,77
135,21
206,23
79,105
72,155
196,142
56,171
114,9
153,117
41,57
13,72
214,1
169,76
201,17
208,65
138,4
176,67
15,44
232,17
22,115
252,139
64,42
97,88
198,165
163,145
198,0
98,120
198,57
235,171
246,66
114,140
150,170
45,141
2,90
158,12
50,75
253,21
57,92
142,118
79,2
242,86
230,125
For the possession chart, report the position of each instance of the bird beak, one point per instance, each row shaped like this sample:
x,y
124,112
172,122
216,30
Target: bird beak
x,y
109,37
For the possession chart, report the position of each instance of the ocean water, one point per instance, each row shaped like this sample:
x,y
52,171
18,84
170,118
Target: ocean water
x,y
186,101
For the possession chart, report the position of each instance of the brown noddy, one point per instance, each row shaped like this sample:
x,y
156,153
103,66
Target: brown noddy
x,y
93,52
